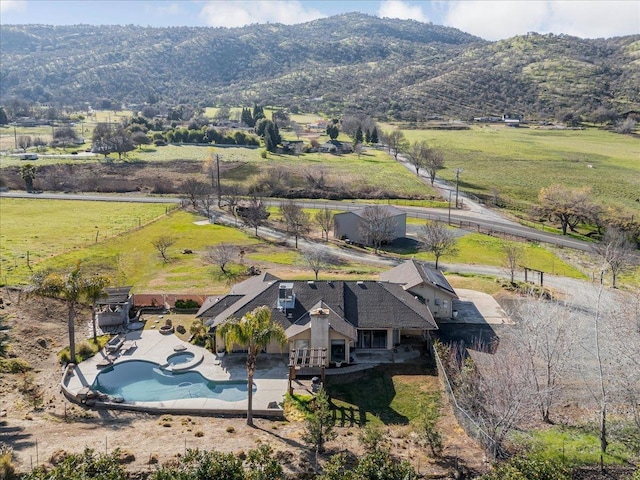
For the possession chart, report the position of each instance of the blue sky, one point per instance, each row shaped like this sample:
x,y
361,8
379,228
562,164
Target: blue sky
x,y
489,19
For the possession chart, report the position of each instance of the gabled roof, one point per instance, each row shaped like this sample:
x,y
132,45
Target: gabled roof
x,y
115,295
412,273
389,209
336,322
364,304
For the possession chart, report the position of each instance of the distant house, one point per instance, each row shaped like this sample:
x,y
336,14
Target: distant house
x,y
339,316
113,309
428,284
348,225
335,146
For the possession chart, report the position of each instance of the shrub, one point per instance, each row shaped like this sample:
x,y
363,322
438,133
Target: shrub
x,y
188,304
84,349
522,468
199,433
14,365
180,329
7,469
230,429
263,154
124,456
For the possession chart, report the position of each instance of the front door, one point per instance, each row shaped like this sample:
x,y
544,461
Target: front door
x,y
338,351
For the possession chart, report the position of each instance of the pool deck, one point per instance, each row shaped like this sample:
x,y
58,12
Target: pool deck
x,y
270,379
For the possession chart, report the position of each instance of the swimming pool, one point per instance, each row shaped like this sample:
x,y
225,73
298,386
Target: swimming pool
x,y
143,381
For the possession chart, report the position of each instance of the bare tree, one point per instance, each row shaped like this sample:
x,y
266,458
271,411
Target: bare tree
x,y
194,190
206,203
416,153
231,199
513,257
316,259
627,346
255,214
396,142
377,225
567,206
297,129
433,163
24,142
545,339
39,143
616,252
495,391
162,244
220,255
324,218
436,238
295,219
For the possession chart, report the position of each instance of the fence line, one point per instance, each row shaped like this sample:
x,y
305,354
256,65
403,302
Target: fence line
x,y
469,425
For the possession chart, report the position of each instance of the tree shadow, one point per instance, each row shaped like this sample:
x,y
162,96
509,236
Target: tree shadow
x,y
15,436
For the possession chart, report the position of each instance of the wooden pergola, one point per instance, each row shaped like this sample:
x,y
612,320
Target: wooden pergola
x,y
306,358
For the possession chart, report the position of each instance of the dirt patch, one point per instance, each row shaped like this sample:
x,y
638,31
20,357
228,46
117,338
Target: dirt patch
x,y
39,331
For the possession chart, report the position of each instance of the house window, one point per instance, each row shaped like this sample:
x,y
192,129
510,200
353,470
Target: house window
x,y
338,352
300,345
372,339
445,304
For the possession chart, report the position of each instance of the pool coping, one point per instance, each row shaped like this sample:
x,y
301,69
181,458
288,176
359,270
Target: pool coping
x,y
267,399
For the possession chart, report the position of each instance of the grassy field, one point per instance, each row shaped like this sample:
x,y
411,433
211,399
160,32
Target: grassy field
x,y
479,249
47,228
517,162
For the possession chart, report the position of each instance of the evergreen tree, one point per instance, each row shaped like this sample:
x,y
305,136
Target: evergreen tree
x,y
367,136
374,135
359,137
3,117
333,131
258,113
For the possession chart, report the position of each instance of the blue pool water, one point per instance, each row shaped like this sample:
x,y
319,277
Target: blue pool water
x,y
142,381
180,358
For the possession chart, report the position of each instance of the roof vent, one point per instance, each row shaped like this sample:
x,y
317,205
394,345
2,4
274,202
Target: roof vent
x,y
310,282
360,282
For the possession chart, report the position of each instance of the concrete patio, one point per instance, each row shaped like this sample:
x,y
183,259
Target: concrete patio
x,y
270,379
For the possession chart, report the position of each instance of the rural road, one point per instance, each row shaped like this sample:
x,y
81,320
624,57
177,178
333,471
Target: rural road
x,y
476,217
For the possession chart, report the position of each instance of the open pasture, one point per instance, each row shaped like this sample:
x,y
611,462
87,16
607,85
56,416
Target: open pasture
x,y
48,228
516,163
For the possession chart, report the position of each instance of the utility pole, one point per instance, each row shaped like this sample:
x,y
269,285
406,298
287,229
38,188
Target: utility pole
x,y
15,136
449,207
218,181
458,172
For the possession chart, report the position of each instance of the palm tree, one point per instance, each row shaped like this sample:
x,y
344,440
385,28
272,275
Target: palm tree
x,y
255,330
72,287
95,289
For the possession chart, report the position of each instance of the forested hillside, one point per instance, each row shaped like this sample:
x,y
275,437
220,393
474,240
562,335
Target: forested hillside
x,y
395,69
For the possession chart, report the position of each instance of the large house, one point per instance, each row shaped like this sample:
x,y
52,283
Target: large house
x,y
429,285
348,225
338,316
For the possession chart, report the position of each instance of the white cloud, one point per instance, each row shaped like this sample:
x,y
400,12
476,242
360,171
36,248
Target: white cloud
x,y
494,20
402,10
12,6
245,12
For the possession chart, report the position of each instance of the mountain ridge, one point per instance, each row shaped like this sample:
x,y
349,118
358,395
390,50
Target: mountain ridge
x,y
394,69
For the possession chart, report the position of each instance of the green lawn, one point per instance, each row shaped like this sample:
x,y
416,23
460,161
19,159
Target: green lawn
x,y
517,162
390,395
577,446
